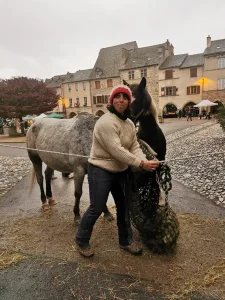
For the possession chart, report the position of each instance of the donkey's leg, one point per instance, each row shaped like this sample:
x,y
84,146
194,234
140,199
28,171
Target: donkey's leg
x,y
48,177
37,163
107,214
78,183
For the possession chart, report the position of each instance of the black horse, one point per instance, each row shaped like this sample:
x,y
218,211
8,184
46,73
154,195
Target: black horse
x,y
144,112
157,223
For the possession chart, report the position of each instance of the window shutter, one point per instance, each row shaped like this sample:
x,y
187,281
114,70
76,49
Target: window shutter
x,y
94,100
168,74
188,90
193,72
198,89
174,90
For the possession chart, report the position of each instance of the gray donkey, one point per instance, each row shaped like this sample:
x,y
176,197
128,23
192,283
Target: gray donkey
x,y
70,136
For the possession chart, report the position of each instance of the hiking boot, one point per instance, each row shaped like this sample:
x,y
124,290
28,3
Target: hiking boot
x,y
133,248
85,251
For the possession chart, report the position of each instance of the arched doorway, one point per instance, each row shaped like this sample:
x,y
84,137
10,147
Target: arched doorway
x,y
170,111
214,109
99,113
72,114
190,106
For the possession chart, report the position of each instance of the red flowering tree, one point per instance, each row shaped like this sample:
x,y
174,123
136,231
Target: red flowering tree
x,y
21,96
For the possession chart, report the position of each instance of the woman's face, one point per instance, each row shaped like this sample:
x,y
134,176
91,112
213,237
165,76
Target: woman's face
x,y
120,102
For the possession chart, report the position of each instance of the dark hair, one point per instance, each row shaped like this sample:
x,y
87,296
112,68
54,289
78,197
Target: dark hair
x,y
126,114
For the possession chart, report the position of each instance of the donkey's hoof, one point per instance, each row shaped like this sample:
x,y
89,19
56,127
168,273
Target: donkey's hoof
x,y
109,217
52,201
45,207
77,220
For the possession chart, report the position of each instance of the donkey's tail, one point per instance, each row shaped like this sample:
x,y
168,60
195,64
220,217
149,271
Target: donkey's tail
x,y
33,180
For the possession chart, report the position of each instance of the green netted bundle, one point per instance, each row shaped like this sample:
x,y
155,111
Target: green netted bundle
x,y
158,225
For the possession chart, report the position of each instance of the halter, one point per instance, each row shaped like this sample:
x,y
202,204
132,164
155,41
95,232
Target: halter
x,y
135,120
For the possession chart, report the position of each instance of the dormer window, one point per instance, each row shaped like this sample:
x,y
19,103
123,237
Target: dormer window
x,y
98,72
131,74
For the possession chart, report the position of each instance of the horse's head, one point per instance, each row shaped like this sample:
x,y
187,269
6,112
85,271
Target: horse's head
x,y
142,103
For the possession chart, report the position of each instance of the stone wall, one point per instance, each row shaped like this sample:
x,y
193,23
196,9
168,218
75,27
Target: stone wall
x,y
152,80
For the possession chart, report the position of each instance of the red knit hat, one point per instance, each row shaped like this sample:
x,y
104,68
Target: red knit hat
x,y
120,89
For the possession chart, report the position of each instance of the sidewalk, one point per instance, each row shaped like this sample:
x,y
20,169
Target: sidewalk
x,y
7,139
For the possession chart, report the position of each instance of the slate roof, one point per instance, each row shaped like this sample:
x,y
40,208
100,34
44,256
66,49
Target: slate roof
x,y
194,60
143,57
56,81
174,61
81,75
109,60
216,47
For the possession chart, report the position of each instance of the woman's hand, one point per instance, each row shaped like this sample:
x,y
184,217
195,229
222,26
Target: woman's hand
x,y
150,165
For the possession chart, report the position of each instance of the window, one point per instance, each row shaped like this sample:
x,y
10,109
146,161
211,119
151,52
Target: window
x,y
221,84
99,99
143,73
84,86
70,102
168,74
195,89
109,83
193,72
69,87
106,99
170,91
85,101
97,85
77,104
131,74
221,63
76,86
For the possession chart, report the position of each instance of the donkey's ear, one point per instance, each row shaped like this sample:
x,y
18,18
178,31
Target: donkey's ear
x,y
142,84
125,83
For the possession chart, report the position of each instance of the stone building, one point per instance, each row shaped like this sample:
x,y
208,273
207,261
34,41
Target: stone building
x,y
175,82
180,83
56,83
214,71
76,92
144,62
106,74
126,61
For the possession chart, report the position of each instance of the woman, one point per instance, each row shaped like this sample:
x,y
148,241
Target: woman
x,y
114,148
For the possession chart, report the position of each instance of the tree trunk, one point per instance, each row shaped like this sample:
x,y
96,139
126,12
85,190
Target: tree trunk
x,y
22,127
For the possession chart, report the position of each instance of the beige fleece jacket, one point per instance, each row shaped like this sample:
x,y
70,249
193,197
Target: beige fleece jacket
x,y
115,141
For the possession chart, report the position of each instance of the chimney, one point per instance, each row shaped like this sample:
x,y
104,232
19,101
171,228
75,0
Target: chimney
x,y
208,41
171,49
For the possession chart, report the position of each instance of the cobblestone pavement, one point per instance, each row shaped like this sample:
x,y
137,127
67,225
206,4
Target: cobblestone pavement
x,y
205,174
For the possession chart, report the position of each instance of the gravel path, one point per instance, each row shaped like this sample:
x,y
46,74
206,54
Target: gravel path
x,y
206,174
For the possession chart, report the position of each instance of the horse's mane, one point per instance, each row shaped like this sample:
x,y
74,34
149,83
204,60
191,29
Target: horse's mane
x,y
152,107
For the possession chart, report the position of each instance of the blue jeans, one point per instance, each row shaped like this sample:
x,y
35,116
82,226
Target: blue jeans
x,y
101,183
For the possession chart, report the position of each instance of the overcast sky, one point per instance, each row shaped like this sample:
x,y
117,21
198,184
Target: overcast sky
x,y
43,38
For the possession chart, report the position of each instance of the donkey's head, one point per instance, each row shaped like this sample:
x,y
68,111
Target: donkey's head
x,y
142,103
